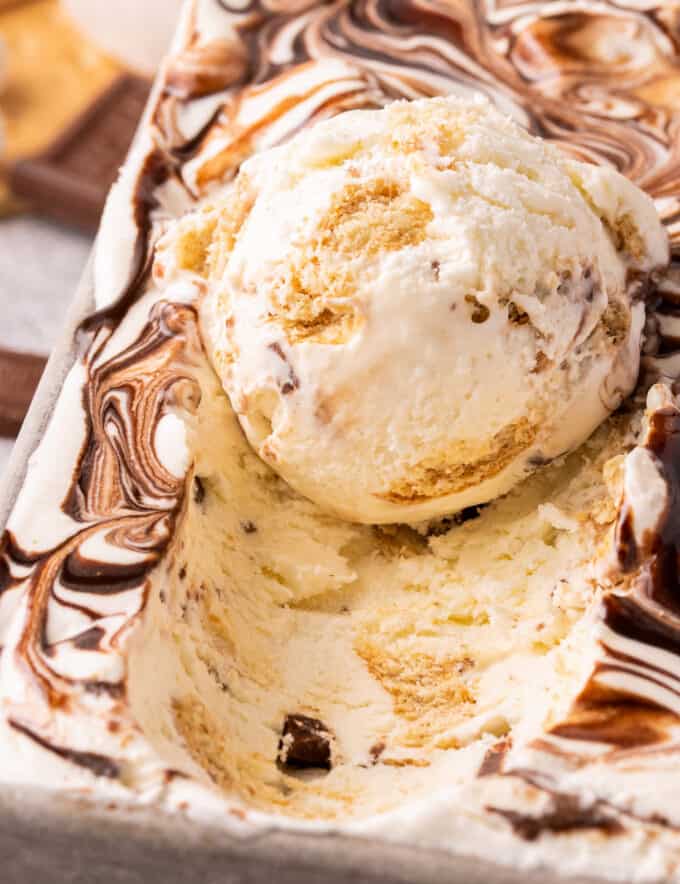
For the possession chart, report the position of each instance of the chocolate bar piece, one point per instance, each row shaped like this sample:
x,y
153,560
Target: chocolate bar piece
x,y
19,376
71,179
305,743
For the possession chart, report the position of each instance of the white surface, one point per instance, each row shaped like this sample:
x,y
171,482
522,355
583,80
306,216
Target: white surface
x,y
138,34
40,265
6,446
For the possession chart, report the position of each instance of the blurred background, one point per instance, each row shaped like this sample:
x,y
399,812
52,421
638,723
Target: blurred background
x,y
74,77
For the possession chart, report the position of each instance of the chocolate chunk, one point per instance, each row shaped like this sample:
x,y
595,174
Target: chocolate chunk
x,y
480,312
468,514
305,743
71,179
443,526
20,373
516,315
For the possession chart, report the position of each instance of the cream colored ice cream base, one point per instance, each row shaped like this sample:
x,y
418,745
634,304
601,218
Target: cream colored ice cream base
x,y
416,652
410,308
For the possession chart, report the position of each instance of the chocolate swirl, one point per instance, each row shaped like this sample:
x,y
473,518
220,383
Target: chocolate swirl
x,y
123,504
602,81
206,68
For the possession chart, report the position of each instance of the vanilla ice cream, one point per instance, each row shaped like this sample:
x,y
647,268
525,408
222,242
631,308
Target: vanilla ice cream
x,y
182,631
414,652
412,308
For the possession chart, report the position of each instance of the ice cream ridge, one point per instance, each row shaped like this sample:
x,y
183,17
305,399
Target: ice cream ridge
x,y
413,308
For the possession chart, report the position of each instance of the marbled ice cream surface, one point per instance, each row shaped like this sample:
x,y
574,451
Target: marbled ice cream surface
x,y
376,281
132,624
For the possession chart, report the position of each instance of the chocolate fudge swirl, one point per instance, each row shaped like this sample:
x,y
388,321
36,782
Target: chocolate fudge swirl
x,y
122,503
282,65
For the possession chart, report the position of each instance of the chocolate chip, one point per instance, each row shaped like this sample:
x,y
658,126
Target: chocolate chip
x,y
516,315
443,526
248,527
199,490
305,743
480,312
468,513
436,266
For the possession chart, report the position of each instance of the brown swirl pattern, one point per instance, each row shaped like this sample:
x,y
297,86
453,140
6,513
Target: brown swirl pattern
x,y
602,80
123,504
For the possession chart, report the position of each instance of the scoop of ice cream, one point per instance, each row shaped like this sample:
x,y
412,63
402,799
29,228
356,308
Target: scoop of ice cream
x,y
412,308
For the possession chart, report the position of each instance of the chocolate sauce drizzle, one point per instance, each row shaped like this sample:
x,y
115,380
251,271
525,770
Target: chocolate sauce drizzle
x,y
567,815
303,61
99,765
644,710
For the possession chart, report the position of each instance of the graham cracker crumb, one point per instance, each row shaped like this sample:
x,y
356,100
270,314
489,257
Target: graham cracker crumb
x,y
455,470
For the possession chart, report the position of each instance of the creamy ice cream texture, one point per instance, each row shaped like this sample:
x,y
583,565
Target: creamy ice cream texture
x,y
327,669
182,630
412,308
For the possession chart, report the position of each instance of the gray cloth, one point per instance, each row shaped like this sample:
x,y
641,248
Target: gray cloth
x,y
40,265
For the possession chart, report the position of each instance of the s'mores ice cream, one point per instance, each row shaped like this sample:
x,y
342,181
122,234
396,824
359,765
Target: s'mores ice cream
x,y
412,308
358,511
